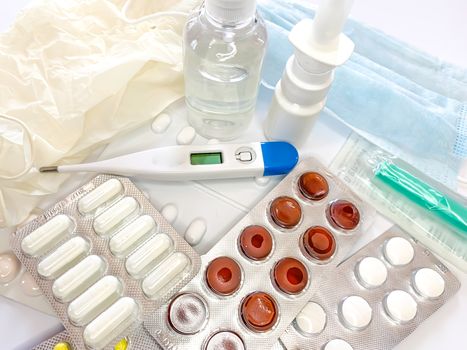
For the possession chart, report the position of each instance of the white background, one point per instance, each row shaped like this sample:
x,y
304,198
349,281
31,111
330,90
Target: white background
x,y
435,26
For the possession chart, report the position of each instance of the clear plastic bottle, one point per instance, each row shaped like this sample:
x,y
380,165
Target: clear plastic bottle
x,y
224,47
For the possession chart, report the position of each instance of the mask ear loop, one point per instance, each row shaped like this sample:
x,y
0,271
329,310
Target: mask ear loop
x,y
29,164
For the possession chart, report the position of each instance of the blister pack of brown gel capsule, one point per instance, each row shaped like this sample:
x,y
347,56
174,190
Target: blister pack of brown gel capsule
x,y
254,282
105,258
374,299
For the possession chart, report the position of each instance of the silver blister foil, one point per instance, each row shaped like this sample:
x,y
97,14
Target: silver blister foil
x,y
84,227
223,313
385,330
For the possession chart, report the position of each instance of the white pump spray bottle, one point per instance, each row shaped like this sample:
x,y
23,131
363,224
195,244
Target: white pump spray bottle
x,y
300,96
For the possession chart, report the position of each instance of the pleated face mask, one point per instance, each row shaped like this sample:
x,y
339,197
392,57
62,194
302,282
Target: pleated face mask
x,y
406,102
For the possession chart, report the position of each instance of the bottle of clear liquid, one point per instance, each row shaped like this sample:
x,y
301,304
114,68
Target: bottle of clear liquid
x,y
224,47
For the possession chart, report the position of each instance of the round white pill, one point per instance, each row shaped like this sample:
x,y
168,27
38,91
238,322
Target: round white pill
x,y
161,123
371,272
262,181
312,319
429,283
195,232
398,251
338,344
400,306
9,267
170,213
186,136
355,312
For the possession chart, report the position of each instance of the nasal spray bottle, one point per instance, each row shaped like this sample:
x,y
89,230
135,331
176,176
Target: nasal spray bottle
x,y
224,43
300,96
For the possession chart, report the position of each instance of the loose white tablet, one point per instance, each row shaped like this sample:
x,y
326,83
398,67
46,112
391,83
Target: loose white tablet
x,y
429,283
355,312
400,306
398,251
371,272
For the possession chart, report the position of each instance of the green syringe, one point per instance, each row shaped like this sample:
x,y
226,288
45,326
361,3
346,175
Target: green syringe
x,y
423,194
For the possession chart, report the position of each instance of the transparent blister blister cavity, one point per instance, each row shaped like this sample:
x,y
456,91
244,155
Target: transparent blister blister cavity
x,y
268,271
375,298
104,258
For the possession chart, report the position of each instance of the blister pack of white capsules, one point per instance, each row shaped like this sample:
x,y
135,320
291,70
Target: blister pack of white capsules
x,y
105,257
374,299
254,282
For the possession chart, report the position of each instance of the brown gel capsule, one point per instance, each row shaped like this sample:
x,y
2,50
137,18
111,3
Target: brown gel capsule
x,y
223,276
286,212
313,186
344,214
259,312
256,242
319,243
291,276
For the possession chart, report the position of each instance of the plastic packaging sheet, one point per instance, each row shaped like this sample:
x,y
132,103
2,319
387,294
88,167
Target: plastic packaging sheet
x,y
73,75
405,101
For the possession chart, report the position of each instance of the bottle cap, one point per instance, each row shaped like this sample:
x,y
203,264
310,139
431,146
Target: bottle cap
x,y
231,11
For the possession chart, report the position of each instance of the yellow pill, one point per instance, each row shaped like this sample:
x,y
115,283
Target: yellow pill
x,y
122,344
62,346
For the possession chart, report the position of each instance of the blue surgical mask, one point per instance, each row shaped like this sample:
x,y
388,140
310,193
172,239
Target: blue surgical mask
x,y
404,101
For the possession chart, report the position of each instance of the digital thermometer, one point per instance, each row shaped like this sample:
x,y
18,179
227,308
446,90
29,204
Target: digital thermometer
x,y
197,162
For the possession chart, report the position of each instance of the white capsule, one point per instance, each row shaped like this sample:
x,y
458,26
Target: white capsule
x,y
124,241
95,300
400,306
161,123
63,258
115,215
356,313
170,213
195,232
169,273
102,194
112,322
398,251
47,236
148,255
79,278
429,283
186,136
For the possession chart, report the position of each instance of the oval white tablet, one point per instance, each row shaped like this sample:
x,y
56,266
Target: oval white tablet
x,y
186,136
170,213
115,215
124,241
398,251
148,255
112,322
161,123
45,237
101,195
338,344
95,300
167,274
79,278
311,320
63,258
10,267
371,272
429,283
195,232
355,312
400,306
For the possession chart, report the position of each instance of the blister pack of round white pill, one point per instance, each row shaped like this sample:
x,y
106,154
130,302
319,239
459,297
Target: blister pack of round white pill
x,y
374,299
256,279
104,257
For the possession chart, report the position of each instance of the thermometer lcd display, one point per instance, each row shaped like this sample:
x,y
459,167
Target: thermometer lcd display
x,y
206,158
